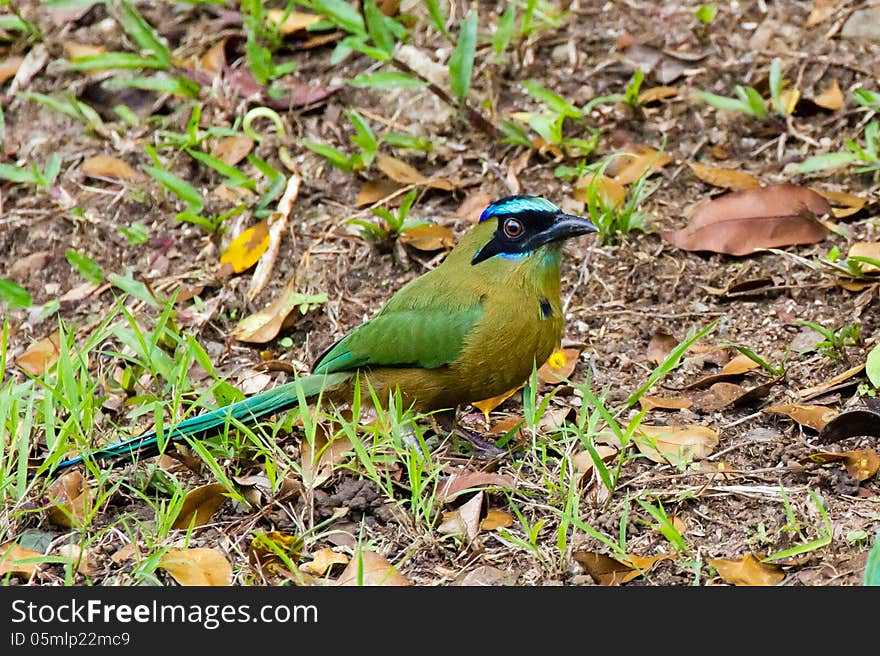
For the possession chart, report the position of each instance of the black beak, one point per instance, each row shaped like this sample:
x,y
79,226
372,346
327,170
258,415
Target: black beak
x,y
564,227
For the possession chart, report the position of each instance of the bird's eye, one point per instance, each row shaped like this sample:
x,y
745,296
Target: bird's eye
x,y
513,229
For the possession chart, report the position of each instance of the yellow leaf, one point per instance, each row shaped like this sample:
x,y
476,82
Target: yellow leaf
x,y
296,21
496,519
37,359
263,551
559,365
199,566
9,67
790,98
431,237
371,568
324,559
105,166
264,325
861,464
640,160
246,249
747,570
842,204
11,555
404,173
814,416
739,365
727,178
657,93
869,249
76,50
610,192
675,444
70,499
831,97
200,504
606,570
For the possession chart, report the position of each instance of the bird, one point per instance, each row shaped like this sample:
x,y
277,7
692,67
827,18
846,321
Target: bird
x,y
472,328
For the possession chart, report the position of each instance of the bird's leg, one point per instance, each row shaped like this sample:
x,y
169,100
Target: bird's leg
x,y
447,421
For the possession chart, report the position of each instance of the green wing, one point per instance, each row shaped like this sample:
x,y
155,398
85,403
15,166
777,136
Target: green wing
x,y
414,337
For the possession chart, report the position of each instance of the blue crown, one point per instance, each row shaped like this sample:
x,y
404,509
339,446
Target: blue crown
x,y
517,205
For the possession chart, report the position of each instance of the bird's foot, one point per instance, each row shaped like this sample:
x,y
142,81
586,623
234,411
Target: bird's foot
x,y
484,448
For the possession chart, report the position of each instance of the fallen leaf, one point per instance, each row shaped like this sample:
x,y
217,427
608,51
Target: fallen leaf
x,y
232,150
41,355
665,403
370,568
559,366
244,251
11,557
842,204
675,444
610,192
372,191
812,416
266,549
431,237
318,462
473,205
9,67
665,65
789,99
639,161
75,50
504,426
464,521
741,288
70,499
277,226
861,464
125,552
727,178
296,21
831,385
736,367
606,570
488,405
655,94
486,575
404,173
831,97
583,462
868,249
198,566
264,325
741,222
83,559
496,519
200,505
467,480
323,561
105,166
214,60
747,570
660,346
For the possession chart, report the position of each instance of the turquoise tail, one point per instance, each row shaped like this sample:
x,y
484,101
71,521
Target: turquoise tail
x,y
250,409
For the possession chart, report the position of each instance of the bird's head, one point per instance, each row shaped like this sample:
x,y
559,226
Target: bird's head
x,y
526,224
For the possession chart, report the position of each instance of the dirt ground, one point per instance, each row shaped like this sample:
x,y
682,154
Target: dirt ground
x,y
629,293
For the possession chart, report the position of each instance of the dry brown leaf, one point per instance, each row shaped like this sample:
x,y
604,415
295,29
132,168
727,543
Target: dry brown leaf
x,y
469,480
264,325
660,346
370,568
277,226
675,444
831,97
233,149
488,405
214,60
84,559
733,369
822,10
125,552
861,464
372,191
503,426
200,505
404,173
244,251
869,249
718,396
813,416
105,166
472,206
638,161
655,94
486,575
11,557
727,178
789,99
75,50
606,570
610,192
665,403
829,385
496,519
70,498
464,521
431,237
9,67
319,462
296,21
747,570
263,551
198,566
323,561
741,222
842,204
559,365
41,355
583,461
